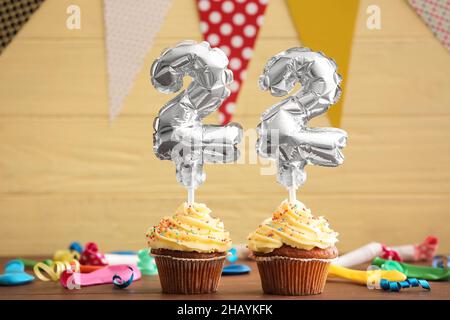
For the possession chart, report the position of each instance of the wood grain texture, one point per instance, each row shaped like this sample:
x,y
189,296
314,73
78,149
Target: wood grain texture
x,y
67,173
241,287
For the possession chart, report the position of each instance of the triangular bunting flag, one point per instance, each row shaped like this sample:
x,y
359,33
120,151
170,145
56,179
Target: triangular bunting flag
x,y
13,15
436,15
233,26
131,26
327,26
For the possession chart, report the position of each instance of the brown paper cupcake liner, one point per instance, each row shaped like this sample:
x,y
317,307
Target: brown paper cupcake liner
x,y
189,276
291,276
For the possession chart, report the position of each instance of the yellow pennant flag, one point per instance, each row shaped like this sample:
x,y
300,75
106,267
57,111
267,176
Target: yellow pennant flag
x,y
327,26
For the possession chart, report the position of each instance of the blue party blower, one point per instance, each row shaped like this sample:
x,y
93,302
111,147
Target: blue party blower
x,y
15,274
234,269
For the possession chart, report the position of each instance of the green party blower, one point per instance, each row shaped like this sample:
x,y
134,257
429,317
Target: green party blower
x,y
412,271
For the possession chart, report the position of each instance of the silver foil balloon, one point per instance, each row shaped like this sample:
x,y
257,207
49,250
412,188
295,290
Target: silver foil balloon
x,y
179,133
283,134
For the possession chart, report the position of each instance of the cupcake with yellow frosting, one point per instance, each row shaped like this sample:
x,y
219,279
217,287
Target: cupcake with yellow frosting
x,y
189,249
293,250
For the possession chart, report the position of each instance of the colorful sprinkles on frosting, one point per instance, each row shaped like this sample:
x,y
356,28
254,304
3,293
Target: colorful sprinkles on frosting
x,y
292,224
173,233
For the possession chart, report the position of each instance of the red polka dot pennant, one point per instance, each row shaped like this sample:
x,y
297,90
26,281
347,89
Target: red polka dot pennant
x,y
232,25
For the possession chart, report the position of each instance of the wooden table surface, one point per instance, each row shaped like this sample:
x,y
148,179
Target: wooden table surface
x,y
240,287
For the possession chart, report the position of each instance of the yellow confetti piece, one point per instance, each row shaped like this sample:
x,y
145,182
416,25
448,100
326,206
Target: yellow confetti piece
x,y
53,272
66,255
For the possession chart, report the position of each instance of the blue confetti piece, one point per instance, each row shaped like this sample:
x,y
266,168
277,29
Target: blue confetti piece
x,y
413,282
120,283
232,257
395,286
384,284
425,284
235,269
76,246
404,284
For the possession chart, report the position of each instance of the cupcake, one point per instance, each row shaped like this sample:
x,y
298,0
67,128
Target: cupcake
x,y
293,251
189,250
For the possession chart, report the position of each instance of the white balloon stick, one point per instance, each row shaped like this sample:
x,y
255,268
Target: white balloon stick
x,y
191,195
292,194
191,188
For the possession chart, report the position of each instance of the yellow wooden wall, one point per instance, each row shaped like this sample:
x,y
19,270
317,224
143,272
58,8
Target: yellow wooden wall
x,y
68,174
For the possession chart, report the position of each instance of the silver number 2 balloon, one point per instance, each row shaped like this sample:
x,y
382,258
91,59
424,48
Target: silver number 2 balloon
x,y
179,133
283,134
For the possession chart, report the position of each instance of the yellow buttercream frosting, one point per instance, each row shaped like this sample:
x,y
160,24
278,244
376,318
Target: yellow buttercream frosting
x,y
294,225
191,229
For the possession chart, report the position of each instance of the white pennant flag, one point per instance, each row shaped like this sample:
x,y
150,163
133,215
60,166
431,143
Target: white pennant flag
x,y
131,26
